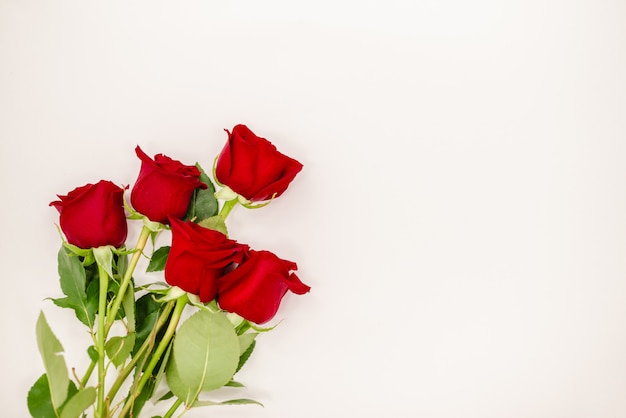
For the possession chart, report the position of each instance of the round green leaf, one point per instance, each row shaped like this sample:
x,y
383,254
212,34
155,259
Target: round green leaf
x,y
205,355
39,402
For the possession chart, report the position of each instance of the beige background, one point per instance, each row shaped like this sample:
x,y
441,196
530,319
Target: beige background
x,y
461,215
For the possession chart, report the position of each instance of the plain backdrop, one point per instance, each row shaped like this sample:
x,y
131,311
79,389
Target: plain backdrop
x,y
461,215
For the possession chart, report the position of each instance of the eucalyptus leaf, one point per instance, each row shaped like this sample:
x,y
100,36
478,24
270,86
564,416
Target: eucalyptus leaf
x,y
51,352
158,259
82,400
204,357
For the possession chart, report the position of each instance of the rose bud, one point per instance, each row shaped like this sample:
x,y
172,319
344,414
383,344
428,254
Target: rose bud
x,y
93,215
164,187
252,167
256,287
198,257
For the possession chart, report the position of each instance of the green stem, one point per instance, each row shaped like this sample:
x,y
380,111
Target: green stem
x,y
101,335
181,302
173,408
141,244
147,344
87,375
228,206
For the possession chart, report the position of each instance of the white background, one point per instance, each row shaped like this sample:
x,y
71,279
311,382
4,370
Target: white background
x,y
461,215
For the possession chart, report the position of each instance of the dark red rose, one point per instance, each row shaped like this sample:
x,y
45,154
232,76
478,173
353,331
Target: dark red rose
x,y
252,167
198,257
256,287
164,187
93,215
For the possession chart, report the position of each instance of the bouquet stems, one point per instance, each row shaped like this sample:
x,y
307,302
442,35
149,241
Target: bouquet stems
x,y
181,302
101,336
141,244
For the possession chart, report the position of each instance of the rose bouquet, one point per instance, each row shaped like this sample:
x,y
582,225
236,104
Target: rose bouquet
x,y
169,341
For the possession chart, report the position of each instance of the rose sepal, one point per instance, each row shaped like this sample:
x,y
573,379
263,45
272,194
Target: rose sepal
x,y
227,194
134,215
172,293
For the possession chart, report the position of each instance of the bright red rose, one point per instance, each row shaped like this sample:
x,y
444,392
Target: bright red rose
x,y
256,287
252,167
164,187
93,215
198,257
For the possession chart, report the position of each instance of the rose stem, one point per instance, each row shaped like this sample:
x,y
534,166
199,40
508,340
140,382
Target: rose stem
x,y
141,244
173,408
146,344
102,306
87,375
181,302
228,206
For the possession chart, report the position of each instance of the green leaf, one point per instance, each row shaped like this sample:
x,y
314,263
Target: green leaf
x,y
205,355
90,308
230,402
128,304
122,261
159,257
82,400
203,203
234,384
92,352
51,352
147,313
72,274
73,278
104,258
246,355
247,343
119,348
215,222
39,402
146,393
165,397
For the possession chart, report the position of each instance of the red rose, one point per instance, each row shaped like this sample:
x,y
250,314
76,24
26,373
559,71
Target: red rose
x,y
93,215
164,187
198,257
256,287
252,167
